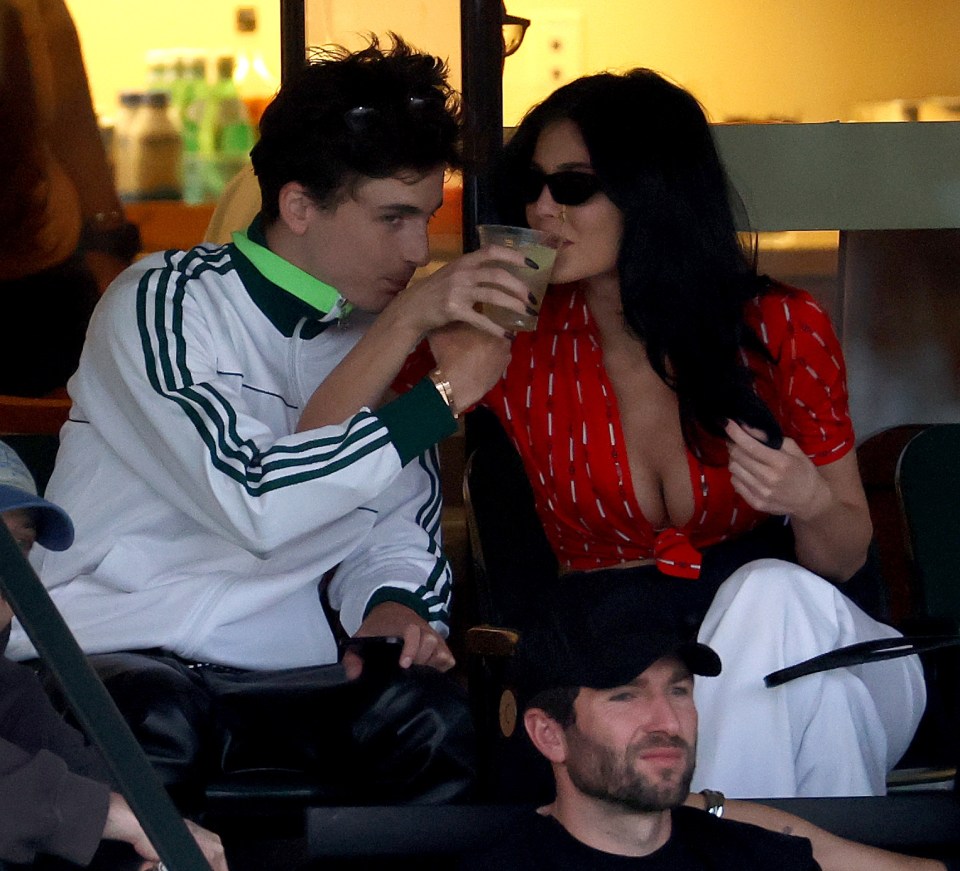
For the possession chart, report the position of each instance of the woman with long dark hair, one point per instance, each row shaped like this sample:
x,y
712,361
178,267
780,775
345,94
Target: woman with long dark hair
x,y
683,422
692,407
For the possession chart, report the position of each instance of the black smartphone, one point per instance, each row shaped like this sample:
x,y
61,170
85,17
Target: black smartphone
x,y
380,653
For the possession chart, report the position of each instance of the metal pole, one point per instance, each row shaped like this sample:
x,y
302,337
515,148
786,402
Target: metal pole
x,y
293,36
481,42
96,711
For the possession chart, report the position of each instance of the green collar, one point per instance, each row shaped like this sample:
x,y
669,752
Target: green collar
x,y
323,299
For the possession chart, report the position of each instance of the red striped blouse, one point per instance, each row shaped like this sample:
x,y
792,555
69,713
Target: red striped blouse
x,y
557,404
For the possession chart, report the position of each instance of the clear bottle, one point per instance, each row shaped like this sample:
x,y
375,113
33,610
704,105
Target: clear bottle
x,y
157,150
123,146
255,83
226,135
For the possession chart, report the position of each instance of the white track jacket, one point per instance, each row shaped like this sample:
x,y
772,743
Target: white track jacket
x,y
204,521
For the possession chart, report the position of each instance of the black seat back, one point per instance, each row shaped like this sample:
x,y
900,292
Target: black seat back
x,y
928,486
513,563
928,489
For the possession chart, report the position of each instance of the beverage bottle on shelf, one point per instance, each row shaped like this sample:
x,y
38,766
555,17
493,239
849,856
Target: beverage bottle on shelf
x,y
156,150
123,149
226,135
195,95
255,83
159,70
179,86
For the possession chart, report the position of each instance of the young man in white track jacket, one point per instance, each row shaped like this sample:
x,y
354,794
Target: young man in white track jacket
x,y
217,498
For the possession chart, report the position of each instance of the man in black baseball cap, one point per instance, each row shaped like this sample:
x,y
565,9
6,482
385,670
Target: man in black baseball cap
x,y
610,705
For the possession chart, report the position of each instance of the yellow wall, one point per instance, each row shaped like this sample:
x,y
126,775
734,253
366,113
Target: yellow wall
x,y
808,59
430,25
116,34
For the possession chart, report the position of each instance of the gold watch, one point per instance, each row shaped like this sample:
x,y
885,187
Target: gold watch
x,y
445,391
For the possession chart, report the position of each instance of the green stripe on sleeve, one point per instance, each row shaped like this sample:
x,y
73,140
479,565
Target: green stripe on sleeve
x,y
417,420
402,597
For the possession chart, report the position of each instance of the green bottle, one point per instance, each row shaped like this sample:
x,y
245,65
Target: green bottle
x,y
226,134
195,95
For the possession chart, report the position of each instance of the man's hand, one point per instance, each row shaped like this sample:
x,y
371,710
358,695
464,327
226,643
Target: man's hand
x,y
449,296
210,845
421,644
454,292
123,825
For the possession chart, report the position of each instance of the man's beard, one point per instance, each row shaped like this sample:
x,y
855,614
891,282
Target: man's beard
x,y
600,772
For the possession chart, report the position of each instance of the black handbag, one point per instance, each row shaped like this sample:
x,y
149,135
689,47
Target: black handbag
x,y
280,719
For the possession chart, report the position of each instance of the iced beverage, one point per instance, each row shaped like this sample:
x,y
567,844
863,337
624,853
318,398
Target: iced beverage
x,y
539,248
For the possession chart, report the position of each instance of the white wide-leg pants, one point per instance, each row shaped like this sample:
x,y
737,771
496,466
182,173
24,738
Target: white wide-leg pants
x,y
834,733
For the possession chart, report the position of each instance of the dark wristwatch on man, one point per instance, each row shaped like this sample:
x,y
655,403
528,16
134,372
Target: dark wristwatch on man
x,y
111,233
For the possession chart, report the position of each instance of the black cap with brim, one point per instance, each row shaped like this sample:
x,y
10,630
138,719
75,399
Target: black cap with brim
x,y
594,640
54,526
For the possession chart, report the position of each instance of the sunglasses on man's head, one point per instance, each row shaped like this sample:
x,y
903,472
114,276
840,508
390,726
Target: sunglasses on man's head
x,y
568,188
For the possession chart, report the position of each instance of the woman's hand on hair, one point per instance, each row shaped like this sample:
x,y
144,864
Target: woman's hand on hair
x,y
783,481
454,292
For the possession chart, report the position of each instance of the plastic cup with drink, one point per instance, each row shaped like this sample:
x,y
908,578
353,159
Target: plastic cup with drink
x,y
540,250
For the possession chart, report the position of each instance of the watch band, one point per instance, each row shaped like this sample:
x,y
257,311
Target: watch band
x,y
714,800
445,390
111,233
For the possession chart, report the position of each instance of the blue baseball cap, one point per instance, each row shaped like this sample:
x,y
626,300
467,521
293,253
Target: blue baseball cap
x,y
18,490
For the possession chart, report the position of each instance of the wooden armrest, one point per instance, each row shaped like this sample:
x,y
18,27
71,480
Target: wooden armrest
x,y
491,640
19,414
